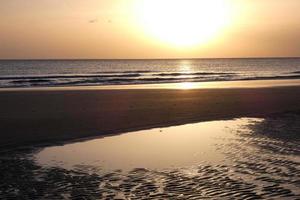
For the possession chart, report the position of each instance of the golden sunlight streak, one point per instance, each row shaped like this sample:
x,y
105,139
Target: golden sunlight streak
x,y
183,23
187,86
185,66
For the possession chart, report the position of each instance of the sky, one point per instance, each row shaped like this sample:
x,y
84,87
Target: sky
x,y
137,29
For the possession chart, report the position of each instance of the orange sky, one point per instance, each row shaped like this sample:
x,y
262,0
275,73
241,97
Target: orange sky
x,y
109,29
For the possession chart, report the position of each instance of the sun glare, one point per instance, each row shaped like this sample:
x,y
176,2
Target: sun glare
x,y
186,86
183,22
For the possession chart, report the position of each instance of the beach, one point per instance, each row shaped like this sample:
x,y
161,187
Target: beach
x,y
45,115
198,142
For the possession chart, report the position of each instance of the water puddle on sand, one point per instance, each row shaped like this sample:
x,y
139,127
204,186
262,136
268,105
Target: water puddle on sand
x,y
161,148
245,158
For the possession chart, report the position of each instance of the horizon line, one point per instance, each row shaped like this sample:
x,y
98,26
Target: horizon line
x,y
199,58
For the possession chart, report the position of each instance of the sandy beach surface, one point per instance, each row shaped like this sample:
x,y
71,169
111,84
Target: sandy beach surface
x,y
237,158
46,115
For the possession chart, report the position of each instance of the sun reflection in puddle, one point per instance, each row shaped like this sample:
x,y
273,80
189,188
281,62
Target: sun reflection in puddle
x,y
160,148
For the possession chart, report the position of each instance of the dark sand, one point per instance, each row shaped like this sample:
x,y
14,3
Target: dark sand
x,y
41,116
261,163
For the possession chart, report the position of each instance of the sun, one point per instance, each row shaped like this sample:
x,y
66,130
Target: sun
x,y
182,22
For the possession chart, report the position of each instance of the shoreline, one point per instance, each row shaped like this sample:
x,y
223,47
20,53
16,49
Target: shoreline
x,y
44,116
264,83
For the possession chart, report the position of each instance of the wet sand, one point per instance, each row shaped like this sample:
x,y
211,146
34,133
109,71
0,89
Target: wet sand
x,y
53,115
261,163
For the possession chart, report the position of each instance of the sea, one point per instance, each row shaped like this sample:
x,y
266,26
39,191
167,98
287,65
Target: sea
x,y
51,73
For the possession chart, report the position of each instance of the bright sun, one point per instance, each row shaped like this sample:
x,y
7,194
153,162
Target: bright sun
x,y
183,22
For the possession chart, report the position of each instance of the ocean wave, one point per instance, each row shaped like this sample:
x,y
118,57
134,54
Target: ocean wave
x,y
69,76
123,81
271,77
296,72
31,81
195,74
126,72
129,78
127,81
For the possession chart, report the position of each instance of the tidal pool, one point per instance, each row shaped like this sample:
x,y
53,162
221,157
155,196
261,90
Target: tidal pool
x,y
246,158
160,148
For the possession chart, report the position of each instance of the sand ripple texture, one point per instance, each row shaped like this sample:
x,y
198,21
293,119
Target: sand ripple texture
x,y
264,164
